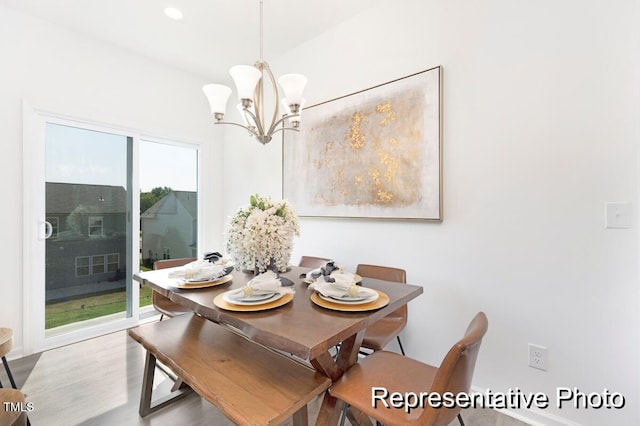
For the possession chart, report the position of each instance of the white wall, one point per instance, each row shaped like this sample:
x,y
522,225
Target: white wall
x,y
58,70
541,107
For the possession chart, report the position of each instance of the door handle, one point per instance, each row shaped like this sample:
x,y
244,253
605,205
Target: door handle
x,y
48,230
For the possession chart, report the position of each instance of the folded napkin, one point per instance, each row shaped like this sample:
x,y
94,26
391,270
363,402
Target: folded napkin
x,y
267,282
343,285
200,270
326,269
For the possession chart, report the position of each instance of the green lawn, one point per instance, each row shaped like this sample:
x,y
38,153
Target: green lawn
x,y
62,313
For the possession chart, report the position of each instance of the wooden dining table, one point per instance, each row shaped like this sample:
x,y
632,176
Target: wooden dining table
x,y
300,328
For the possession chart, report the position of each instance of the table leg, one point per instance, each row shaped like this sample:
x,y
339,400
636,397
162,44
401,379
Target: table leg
x,y
358,418
301,417
331,407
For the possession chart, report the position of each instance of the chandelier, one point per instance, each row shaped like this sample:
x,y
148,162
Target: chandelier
x,y
250,84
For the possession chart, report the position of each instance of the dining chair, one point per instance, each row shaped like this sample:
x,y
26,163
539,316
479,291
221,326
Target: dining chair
x,y
383,331
6,344
395,373
13,397
161,303
168,307
312,261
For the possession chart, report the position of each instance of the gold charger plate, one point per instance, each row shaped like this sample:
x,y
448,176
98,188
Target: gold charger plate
x,y
382,300
223,304
205,284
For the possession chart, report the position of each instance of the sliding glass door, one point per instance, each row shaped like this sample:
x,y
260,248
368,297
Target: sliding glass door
x,y
101,203
88,206
88,241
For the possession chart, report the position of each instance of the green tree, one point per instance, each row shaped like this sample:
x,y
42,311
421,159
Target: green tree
x,y
148,199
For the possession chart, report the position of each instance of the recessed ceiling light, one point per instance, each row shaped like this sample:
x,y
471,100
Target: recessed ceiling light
x,y
173,13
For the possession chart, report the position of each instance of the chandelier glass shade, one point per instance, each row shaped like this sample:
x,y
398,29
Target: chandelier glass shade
x,y
250,84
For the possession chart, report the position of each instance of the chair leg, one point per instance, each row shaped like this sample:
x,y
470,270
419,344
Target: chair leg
x,y
460,420
343,415
400,343
8,370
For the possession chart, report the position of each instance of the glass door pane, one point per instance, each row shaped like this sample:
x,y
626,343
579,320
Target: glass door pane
x,y
88,206
168,204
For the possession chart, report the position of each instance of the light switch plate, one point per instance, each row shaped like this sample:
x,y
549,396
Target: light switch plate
x,y
618,215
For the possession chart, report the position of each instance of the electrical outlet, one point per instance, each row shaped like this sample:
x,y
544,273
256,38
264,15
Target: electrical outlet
x,y
538,357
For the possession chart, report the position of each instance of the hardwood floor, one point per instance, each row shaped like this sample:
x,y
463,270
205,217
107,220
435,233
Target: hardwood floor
x,y
98,382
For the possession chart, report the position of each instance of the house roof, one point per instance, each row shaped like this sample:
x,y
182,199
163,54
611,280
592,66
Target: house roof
x,y
188,199
64,198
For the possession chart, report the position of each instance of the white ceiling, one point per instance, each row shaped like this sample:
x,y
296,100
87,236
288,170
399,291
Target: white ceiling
x,y
214,34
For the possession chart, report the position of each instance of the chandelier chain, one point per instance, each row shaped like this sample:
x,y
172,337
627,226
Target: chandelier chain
x,y
261,32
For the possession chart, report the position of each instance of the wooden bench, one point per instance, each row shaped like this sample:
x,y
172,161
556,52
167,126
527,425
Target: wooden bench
x,y
249,383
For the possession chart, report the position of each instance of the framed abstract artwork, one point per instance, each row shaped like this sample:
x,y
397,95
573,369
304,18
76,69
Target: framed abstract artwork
x,y
375,153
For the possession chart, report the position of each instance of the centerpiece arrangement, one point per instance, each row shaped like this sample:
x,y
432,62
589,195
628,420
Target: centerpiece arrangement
x,y
260,237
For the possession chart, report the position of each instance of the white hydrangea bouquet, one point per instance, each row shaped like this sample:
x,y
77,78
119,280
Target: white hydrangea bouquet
x,y
261,235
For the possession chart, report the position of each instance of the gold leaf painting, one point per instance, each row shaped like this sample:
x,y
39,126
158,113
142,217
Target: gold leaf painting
x,y
374,153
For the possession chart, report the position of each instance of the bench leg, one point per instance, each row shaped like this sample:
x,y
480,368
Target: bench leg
x,y
146,405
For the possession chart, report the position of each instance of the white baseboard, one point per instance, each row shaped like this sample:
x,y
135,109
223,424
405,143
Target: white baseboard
x,y
15,353
530,416
537,418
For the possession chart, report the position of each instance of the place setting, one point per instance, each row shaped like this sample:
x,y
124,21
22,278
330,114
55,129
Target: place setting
x,y
212,270
263,292
339,290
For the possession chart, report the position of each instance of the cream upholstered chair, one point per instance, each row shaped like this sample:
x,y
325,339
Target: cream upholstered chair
x,y
6,344
12,417
383,331
396,373
15,396
312,261
161,303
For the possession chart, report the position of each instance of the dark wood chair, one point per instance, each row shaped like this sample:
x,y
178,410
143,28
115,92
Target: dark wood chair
x,y
396,373
312,261
162,303
383,331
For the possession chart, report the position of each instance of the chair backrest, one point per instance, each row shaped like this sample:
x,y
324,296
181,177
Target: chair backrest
x,y
312,261
172,263
162,303
386,273
456,370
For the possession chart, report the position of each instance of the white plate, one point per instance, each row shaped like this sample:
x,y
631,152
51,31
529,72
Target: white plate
x,y
258,299
201,280
371,297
